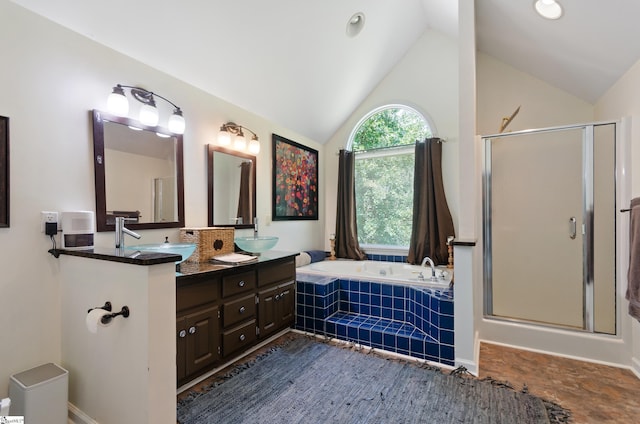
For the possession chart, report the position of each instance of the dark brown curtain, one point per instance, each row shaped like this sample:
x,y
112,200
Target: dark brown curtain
x,y
432,222
347,245
244,200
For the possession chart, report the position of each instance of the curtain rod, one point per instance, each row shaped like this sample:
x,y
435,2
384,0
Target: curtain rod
x,y
439,140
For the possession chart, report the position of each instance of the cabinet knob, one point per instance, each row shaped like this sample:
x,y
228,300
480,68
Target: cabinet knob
x,y
282,294
241,310
192,330
242,337
277,297
241,283
182,334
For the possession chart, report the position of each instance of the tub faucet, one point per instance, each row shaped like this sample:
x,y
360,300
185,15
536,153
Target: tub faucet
x,y
433,267
121,230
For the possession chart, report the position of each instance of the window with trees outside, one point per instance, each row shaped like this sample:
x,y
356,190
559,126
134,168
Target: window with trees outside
x,y
383,143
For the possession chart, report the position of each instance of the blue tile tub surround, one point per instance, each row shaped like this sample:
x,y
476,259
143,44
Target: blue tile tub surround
x,y
414,321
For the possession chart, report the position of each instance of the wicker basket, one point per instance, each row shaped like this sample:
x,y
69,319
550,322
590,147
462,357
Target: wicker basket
x,y
210,242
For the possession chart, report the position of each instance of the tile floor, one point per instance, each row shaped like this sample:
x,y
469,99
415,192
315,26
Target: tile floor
x,y
594,393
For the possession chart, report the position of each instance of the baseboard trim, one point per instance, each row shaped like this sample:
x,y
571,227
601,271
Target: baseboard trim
x,y
76,416
635,366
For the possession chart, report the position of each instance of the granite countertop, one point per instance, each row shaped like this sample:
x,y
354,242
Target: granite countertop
x,y
153,258
114,255
189,268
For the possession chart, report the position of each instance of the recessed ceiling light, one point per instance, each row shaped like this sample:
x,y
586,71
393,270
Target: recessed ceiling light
x,y
355,24
549,9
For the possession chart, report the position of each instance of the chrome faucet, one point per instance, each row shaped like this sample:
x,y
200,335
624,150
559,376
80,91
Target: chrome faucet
x,y
255,227
121,230
433,267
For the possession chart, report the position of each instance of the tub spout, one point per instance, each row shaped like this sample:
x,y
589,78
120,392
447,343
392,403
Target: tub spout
x,y
433,267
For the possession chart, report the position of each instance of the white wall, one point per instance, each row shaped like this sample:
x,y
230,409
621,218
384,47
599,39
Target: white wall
x,y
502,88
51,79
427,80
622,100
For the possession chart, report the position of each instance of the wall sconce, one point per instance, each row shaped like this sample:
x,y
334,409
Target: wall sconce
x,y
239,142
118,104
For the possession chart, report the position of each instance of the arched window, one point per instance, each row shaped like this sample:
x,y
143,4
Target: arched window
x,y
384,146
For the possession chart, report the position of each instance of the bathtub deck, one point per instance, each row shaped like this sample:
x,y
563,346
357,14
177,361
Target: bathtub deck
x,y
412,321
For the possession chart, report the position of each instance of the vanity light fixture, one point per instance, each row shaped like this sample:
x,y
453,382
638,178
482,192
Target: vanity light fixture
x,y
118,104
239,142
548,9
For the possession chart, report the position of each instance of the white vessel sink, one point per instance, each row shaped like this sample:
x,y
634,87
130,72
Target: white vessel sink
x,y
256,244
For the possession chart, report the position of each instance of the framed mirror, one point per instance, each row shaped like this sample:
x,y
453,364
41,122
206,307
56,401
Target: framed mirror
x,y
231,187
138,174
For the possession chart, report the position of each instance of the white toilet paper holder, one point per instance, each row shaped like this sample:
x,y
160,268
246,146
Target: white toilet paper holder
x,y
106,318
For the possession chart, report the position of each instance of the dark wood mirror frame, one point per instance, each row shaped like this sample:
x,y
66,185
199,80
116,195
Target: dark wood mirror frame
x,y
98,162
4,172
210,183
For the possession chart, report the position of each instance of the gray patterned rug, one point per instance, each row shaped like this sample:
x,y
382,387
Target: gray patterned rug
x,y
307,381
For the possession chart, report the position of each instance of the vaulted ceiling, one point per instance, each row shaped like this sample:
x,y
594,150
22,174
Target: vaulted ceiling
x,y
292,62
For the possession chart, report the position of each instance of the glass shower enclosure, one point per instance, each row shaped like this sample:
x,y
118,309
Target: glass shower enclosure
x,y
549,240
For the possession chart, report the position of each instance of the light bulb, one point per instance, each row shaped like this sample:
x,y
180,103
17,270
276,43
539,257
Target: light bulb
x,y
224,139
176,122
149,115
117,102
240,143
254,146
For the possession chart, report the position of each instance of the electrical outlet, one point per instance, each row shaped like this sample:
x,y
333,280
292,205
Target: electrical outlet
x,y
45,217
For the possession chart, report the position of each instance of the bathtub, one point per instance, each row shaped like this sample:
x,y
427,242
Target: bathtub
x,y
383,305
392,272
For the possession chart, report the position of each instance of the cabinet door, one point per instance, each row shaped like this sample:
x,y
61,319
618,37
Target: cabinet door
x,y
202,339
287,304
275,308
267,310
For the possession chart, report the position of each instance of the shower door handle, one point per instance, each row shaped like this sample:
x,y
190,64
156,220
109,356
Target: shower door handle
x,y
572,227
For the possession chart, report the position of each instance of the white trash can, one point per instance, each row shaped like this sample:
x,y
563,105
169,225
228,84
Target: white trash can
x,y
40,394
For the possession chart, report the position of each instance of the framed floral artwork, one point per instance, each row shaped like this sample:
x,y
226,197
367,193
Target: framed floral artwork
x,y
295,180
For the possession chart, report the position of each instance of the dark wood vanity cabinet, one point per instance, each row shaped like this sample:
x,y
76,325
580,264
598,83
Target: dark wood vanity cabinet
x,y
222,313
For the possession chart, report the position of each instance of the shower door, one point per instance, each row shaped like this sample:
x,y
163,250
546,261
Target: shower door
x,y
539,199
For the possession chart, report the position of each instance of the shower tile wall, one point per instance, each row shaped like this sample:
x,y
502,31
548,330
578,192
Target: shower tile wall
x,y
409,320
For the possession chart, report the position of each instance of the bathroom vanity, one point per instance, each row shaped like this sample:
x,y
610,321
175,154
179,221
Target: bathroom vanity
x,y
223,310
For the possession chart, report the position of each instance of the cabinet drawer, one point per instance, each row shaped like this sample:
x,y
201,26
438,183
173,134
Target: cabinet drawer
x,y
238,283
239,310
239,337
274,273
199,293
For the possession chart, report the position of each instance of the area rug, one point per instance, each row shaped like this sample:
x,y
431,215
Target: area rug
x,y
309,381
